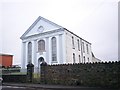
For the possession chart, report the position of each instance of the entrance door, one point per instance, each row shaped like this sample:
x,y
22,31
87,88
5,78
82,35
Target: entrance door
x,y
40,60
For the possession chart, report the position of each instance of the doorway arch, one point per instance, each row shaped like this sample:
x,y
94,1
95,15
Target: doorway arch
x,y
41,59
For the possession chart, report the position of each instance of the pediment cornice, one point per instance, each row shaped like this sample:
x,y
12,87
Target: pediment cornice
x,y
43,34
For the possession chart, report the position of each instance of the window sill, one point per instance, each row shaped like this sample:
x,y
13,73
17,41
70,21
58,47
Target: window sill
x,y
41,51
54,62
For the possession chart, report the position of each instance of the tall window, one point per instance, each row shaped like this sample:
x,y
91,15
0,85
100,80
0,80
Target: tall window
x,y
87,48
73,57
78,44
83,48
41,45
88,60
54,49
73,43
29,52
84,59
79,59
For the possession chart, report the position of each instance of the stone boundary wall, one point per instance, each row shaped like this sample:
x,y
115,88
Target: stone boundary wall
x,y
88,74
15,78
9,71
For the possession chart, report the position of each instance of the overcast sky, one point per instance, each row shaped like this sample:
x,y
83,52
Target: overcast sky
x,y
94,20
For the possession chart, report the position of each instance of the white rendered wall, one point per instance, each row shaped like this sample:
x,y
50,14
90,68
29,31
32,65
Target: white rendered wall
x,y
87,55
70,50
47,53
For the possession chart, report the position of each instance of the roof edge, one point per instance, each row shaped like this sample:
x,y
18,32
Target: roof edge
x,y
35,22
77,35
31,27
5,54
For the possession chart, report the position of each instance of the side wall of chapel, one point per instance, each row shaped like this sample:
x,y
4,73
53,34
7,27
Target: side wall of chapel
x,y
80,55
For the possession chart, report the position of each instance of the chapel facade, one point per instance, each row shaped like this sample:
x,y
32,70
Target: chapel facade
x,y
54,44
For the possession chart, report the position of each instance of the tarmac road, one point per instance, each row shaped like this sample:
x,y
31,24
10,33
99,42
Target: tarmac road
x,y
25,88
19,88
15,86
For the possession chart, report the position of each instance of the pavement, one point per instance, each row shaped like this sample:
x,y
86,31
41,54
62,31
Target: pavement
x,y
54,87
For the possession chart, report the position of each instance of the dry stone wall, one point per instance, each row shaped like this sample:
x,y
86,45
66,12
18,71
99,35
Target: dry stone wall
x,y
89,74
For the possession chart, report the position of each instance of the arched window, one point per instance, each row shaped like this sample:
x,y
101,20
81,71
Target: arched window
x,y
73,43
84,59
29,52
78,44
73,58
87,48
79,59
54,49
88,60
83,48
41,45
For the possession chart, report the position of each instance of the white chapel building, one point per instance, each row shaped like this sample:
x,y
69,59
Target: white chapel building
x,y
45,40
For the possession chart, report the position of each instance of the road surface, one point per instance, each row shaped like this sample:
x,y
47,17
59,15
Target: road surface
x,y
20,88
16,88
27,88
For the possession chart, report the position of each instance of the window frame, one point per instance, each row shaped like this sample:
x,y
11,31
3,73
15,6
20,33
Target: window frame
x,y
73,43
41,45
79,59
78,41
83,47
54,49
84,60
74,58
87,48
29,51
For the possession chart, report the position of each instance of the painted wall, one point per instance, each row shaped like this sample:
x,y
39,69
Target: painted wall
x,y
64,44
6,60
70,50
47,53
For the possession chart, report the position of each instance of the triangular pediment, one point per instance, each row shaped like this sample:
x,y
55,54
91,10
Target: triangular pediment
x,y
41,25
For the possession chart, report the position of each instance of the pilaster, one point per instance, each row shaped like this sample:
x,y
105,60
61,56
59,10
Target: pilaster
x,y
34,50
47,47
23,54
50,51
63,37
58,49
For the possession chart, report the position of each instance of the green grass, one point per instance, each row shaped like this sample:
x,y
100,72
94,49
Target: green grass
x,y
18,73
36,78
35,75
15,73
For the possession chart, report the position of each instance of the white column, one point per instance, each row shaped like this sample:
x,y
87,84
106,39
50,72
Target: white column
x,y
58,49
32,52
23,54
34,48
50,51
64,47
47,49
26,54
